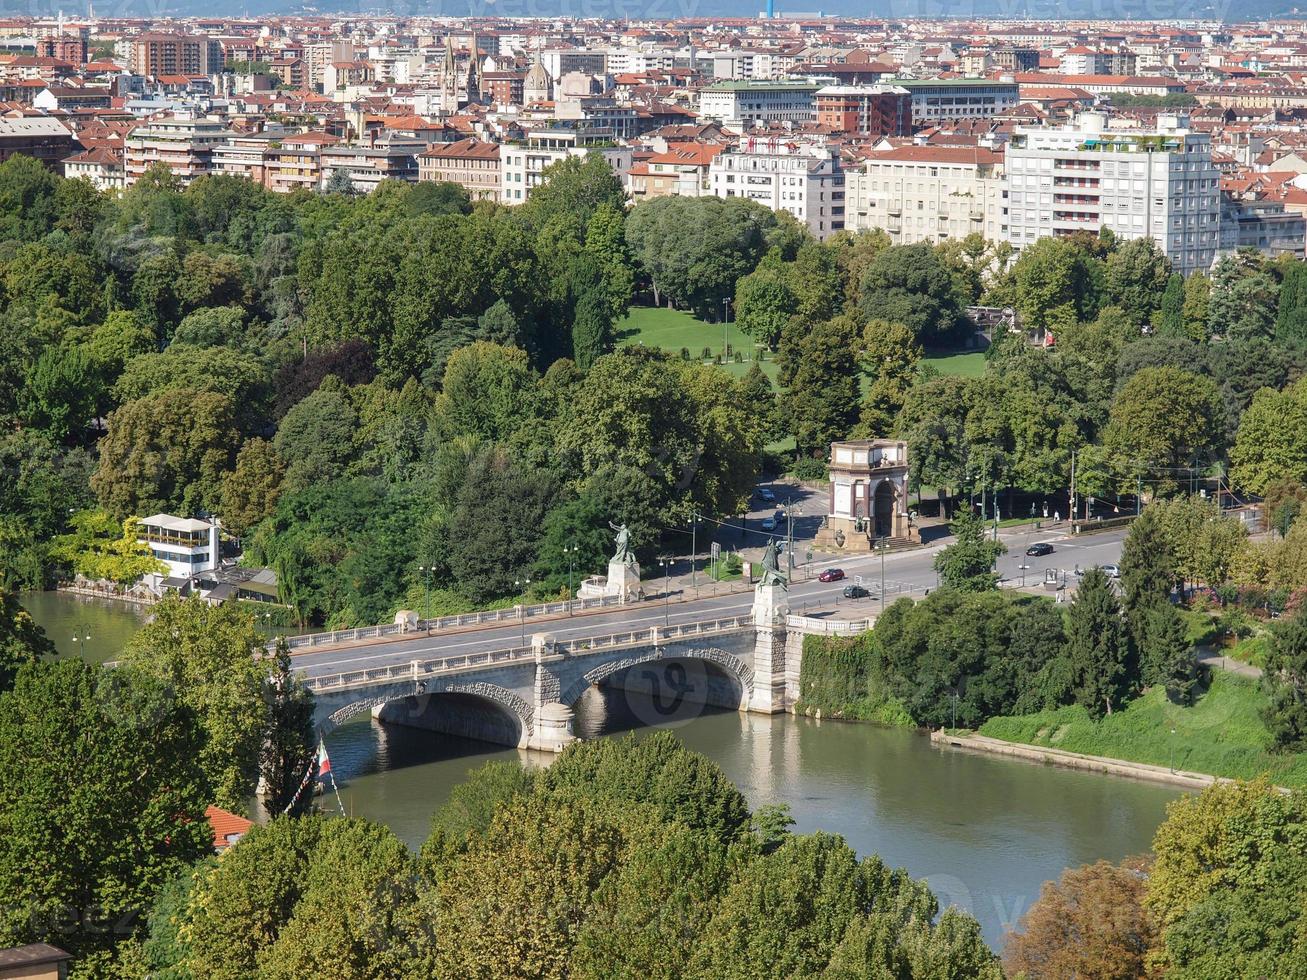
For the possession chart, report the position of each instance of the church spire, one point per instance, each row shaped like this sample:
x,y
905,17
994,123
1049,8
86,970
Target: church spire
x,y
474,73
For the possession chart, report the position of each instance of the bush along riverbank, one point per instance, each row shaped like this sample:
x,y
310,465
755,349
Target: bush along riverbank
x,y
840,679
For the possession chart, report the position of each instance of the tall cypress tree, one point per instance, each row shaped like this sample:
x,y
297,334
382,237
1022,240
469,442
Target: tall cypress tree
x,y
1097,647
592,329
1170,315
1147,573
1165,655
1291,314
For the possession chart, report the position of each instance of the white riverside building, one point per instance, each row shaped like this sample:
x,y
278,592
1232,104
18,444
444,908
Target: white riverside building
x,y
185,545
1159,184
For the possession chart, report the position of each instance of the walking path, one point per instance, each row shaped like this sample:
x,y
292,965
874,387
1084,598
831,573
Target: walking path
x,y
1210,658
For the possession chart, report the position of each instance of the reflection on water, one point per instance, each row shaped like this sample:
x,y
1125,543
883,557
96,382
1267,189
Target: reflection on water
x,y
986,832
97,629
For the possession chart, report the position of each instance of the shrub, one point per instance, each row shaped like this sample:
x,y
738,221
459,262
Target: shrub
x,y
809,469
685,353
707,353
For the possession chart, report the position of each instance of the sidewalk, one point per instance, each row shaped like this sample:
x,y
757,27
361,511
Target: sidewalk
x,y
1210,658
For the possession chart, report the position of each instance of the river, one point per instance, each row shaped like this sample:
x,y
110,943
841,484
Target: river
x,y
985,832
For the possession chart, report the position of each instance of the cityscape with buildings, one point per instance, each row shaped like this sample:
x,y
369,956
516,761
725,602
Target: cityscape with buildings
x,y
664,496
1190,134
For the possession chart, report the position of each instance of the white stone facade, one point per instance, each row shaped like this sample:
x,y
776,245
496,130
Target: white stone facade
x,y
804,179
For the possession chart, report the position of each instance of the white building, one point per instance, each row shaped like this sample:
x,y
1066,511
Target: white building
x,y
929,194
802,178
522,165
742,105
185,545
943,99
1160,184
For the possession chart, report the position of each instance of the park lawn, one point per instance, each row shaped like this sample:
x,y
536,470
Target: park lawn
x,y
1222,734
966,365
672,330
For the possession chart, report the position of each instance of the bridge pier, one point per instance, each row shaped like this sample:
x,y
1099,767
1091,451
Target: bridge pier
x,y
552,731
770,607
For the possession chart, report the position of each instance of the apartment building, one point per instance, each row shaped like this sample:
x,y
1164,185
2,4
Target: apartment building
x,y
745,104
182,142
865,110
102,166
929,194
1083,176
158,53
944,99
471,163
243,155
43,138
803,178
681,170
523,164
296,162
387,156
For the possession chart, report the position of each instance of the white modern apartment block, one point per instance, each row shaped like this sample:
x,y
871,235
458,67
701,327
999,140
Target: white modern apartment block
x,y
1159,184
929,194
802,178
943,99
522,165
185,545
742,105
182,142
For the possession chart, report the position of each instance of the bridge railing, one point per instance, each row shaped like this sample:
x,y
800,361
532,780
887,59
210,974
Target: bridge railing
x,y
829,627
510,614
417,669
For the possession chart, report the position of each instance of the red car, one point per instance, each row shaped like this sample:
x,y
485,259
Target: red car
x,y
831,575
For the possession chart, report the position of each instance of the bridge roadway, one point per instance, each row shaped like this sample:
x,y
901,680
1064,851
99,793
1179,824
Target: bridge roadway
x,y
904,571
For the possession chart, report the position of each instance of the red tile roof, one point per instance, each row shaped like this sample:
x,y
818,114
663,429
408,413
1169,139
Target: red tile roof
x,y
228,828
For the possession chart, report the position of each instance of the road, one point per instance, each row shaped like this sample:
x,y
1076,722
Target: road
x,y
904,571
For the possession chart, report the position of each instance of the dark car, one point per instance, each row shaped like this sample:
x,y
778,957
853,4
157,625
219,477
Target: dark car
x,y
831,575
766,495
1039,549
855,592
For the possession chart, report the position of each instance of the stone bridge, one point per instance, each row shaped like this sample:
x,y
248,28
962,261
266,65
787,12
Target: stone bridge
x,y
524,696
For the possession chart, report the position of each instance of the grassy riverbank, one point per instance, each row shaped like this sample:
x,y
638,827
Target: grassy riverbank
x,y
1222,734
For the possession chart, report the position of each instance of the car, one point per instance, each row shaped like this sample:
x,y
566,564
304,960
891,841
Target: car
x,y
855,592
1111,570
831,575
769,524
766,495
1039,549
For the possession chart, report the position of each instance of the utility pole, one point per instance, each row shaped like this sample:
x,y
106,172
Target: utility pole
x,y
694,552
789,534
1073,490
882,575
666,564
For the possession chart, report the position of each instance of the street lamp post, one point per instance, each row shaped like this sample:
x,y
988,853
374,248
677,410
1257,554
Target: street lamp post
x,y
522,584
1172,744
426,600
882,575
570,551
666,564
81,636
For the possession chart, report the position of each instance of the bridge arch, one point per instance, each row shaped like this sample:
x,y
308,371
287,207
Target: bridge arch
x,y
733,667
476,710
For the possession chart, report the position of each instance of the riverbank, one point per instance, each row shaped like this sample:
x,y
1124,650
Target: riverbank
x,y
1221,735
1196,781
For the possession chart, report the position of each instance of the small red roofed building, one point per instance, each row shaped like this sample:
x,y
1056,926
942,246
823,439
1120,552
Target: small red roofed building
x,y
228,828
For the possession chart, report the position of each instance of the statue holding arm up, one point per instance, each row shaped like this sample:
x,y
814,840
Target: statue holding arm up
x,y
623,541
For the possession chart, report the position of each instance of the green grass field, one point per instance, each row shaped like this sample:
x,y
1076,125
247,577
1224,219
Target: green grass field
x,y
672,330
968,365
1222,734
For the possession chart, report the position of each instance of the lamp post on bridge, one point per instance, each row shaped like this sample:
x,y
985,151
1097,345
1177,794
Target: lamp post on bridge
x,y
666,564
522,584
570,551
426,601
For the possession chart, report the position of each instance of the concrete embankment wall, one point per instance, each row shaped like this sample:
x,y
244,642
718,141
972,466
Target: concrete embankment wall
x,y
1075,760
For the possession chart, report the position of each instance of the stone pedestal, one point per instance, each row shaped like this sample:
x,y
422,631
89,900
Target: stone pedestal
x,y
623,580
553,728
771,604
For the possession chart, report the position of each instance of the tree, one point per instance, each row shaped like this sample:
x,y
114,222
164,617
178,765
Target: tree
x,y
211,657
289,742
27,199
764,303
1170,311
61,393
22,641
1242,303
1162,420
1148,569
889,356
605,247
166,452
1271,443
1136,277
211,326
968,563
1291,310
1055,283
908,284
574,543
819,375
933,421
1197,292
315,439
486,393
1285,681
1096,645
592,329
1090,923
102,549
575,186
101,799
251,489
1165,655
239,376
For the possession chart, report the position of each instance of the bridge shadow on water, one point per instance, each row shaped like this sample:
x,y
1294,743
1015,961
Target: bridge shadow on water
x,y
608,710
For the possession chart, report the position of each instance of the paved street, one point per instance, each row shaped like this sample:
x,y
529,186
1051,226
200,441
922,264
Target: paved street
x,y
903,571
